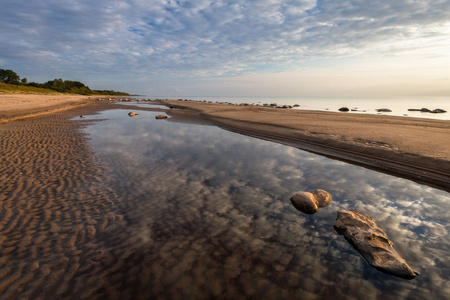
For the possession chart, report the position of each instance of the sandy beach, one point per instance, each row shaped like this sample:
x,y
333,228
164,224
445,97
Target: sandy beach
x,y
19,106
418,149
55,198
53,195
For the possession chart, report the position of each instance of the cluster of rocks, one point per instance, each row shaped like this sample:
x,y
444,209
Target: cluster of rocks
x,y
434,111
360,230
345,109
274,105
118,99
134,114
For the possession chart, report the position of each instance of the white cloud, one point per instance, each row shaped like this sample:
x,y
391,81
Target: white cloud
x,y
212,38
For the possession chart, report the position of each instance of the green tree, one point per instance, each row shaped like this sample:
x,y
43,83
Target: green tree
x,y
9,76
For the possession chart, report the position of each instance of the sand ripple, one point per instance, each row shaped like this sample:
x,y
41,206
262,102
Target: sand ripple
x,y
53,201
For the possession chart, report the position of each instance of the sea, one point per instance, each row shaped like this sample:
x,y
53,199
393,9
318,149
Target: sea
x,y
398,105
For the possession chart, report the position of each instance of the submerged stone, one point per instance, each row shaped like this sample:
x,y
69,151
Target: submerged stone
x,y
161,117
360,230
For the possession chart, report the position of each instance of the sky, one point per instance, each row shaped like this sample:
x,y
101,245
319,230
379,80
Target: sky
x,y
270,48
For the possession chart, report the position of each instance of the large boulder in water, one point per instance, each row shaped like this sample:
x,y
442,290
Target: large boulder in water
x,y
372,243
309,203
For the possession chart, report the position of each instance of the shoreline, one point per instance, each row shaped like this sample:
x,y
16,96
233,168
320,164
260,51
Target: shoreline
x,y
417,149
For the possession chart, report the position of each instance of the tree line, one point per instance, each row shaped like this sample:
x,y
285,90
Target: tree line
x,y
59,85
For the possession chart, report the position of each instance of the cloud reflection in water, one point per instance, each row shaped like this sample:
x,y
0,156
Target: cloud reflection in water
x,y
212,207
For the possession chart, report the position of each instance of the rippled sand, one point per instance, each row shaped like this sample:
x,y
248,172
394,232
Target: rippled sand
x,y
171,229
53,201
62,236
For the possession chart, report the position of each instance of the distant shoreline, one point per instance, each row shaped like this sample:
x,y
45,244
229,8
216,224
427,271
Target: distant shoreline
x,y
418,149
399,106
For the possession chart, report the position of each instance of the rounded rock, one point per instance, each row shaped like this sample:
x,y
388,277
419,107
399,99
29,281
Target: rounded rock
x,y
323,197
305,202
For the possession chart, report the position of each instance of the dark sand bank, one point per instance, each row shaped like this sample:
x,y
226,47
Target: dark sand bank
x,y
418,149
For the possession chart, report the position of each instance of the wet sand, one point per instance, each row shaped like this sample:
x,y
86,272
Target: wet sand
x,y
57,206
54,199
418,149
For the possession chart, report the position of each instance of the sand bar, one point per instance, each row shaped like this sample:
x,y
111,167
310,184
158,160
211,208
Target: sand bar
x,y
414,148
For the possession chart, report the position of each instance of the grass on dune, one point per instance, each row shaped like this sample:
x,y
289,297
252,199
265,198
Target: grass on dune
x,y
22,89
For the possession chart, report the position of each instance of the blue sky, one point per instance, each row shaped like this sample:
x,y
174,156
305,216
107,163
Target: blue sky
x,y
233,47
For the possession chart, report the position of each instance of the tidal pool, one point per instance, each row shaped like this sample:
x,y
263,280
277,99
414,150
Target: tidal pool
x,y
207,215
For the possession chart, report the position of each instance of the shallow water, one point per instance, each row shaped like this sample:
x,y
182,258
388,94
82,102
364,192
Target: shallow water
x,y
398,105
208,216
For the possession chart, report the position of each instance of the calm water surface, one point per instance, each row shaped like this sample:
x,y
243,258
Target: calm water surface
x,y
362,105
208,216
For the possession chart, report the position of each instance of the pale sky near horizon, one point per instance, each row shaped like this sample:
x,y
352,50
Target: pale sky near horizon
x,y
291,48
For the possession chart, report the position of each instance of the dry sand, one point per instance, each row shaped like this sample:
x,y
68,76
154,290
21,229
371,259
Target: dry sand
x,y
418,149
19,106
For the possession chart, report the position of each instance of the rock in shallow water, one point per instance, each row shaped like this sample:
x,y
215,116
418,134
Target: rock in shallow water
x,y
305,202
372,243
383,110
132,114
309,203
323,197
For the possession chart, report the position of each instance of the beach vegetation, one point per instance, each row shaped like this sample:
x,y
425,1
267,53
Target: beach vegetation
x,y
24,89
9,76
11,82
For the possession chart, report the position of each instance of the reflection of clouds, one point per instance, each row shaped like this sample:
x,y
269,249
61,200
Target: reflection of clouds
x,y
228,195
